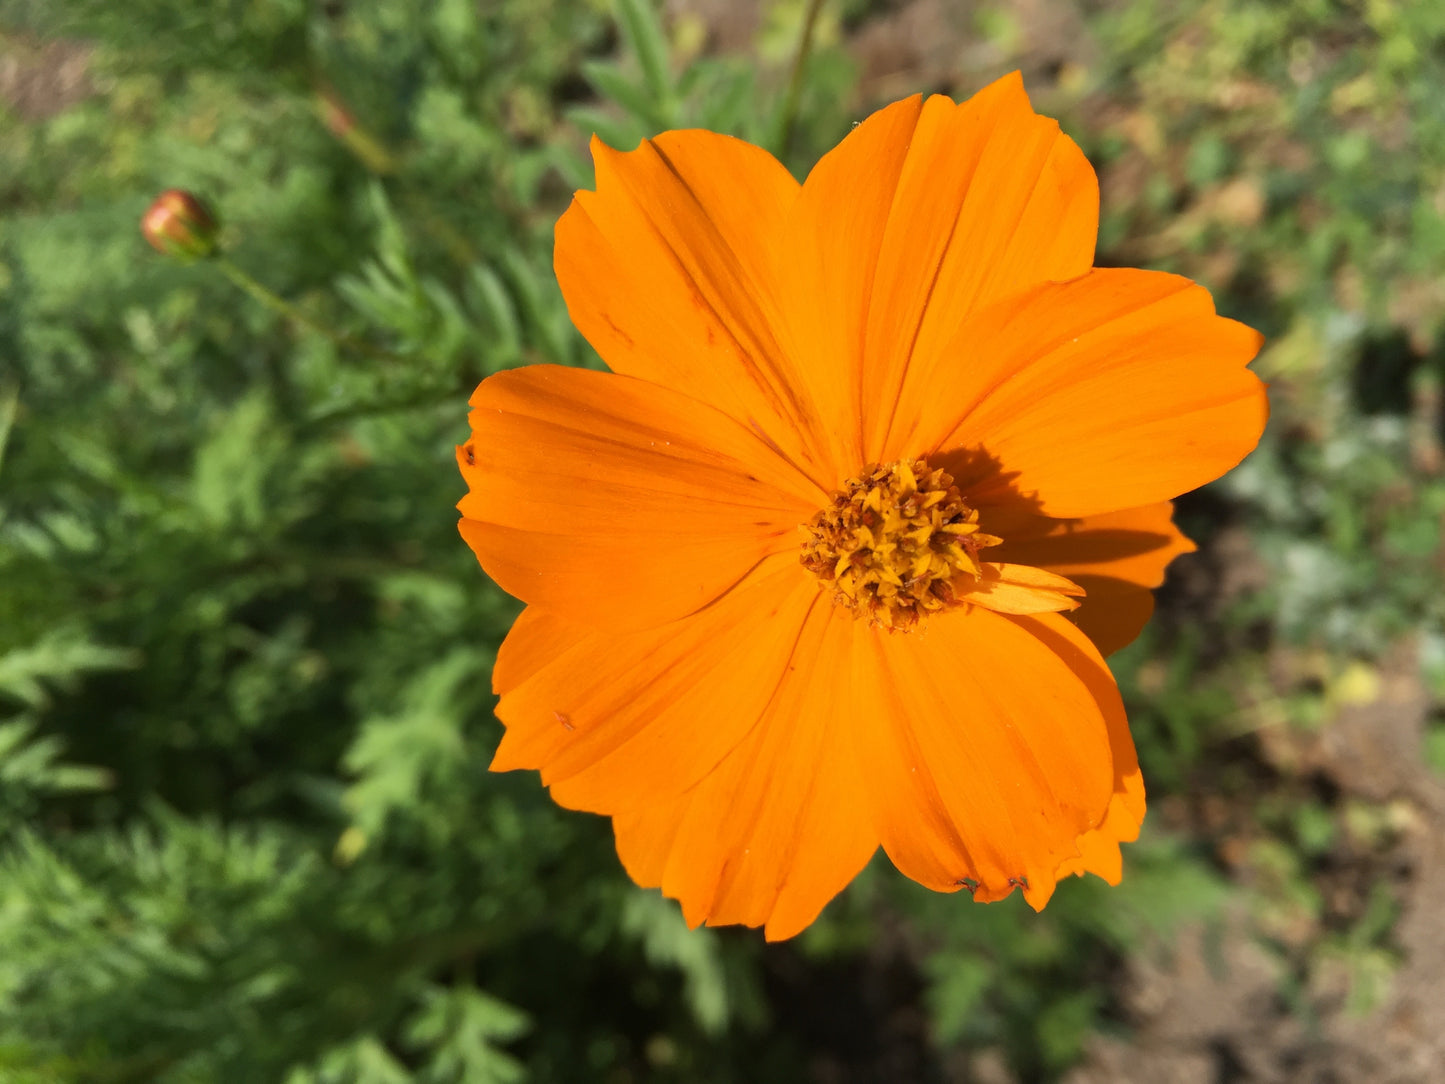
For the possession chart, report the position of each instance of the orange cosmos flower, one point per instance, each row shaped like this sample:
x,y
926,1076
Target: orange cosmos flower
x,y
798,568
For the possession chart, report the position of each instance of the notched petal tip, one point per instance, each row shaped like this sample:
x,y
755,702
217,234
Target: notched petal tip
x,y
1011,85
505,759
596,146
1099,850
1038,890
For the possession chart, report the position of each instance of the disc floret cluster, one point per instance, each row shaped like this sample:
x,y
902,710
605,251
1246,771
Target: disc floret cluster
x,y
895,542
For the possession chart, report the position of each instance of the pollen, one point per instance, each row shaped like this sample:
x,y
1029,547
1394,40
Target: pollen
x,y
897,543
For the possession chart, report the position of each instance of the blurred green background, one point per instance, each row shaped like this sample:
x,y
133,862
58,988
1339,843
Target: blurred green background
x,y
246,831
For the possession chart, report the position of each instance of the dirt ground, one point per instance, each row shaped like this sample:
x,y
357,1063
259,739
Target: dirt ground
x,y
38,80
1254,1002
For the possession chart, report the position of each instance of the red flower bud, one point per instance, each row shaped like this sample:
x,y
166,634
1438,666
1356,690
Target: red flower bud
x,y
178,224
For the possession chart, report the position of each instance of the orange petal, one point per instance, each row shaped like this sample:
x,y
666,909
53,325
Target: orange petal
x,y
780,826
1118,389
1023,589
619,720
1099,847
988,750
1116,558
534,640
616,503
923,214
1114,612
671,269
838,228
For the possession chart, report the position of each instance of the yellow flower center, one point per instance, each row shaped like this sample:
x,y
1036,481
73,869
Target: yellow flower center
x,y
894,543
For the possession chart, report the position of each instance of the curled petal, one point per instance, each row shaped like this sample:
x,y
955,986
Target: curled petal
x,y
1116,557
1023,589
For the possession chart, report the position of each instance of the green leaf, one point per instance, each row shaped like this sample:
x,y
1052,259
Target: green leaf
x,y
499,311
32,763
9,408
958,987
635,100
363,1060
59,659
396,756
645,38
658,924
623,133
461,1028
233,466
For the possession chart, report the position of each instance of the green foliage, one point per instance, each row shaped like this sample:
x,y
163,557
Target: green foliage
x,y
665,939
643,94
246,830
462,1027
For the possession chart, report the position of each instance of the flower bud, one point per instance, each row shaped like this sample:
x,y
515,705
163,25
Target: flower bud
x,y
178,224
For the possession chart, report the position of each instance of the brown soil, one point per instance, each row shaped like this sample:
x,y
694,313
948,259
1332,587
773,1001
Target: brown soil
x,y
39,80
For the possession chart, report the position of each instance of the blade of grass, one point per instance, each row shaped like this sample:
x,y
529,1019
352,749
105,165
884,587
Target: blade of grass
x,y
788,114
640,26
9,407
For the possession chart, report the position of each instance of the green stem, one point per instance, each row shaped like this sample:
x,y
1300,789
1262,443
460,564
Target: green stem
x,y
787,118
281,306
432,397
271,300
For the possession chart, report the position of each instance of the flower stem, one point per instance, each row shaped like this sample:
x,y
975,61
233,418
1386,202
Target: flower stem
x,y
281,306
787,117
